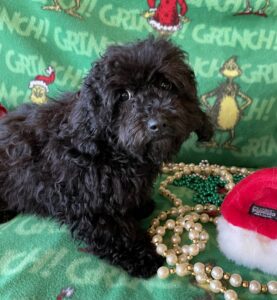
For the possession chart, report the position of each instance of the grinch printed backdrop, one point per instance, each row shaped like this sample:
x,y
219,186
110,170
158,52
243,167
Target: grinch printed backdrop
x,y
47,47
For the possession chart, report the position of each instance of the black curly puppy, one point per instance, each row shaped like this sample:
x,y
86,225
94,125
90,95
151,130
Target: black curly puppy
x,y
90,159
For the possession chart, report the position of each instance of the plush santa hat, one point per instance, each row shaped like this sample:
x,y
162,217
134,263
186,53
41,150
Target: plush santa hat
x,y
247,228
42,80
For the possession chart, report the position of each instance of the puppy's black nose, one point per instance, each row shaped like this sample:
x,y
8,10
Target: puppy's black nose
x,y
156,125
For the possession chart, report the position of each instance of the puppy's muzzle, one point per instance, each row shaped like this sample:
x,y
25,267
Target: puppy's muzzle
x,y
157,126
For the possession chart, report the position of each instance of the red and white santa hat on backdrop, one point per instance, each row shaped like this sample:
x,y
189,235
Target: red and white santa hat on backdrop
x,y
43,80
247,228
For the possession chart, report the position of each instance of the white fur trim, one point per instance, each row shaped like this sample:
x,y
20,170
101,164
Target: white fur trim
x,y
161,27
246,247
38,82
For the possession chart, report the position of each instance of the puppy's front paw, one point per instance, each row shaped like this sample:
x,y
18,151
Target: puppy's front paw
x,y
145,264
145,211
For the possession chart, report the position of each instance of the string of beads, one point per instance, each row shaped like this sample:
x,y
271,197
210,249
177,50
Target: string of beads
x,y
191,220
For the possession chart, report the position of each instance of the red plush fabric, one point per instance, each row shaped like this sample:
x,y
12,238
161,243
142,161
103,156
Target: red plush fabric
x,y
258,189
3,111
167,12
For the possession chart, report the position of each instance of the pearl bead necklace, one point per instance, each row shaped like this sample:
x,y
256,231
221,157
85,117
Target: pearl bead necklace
x,y
183,218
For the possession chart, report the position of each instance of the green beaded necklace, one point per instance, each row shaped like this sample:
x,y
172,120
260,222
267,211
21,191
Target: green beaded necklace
x,y
208,190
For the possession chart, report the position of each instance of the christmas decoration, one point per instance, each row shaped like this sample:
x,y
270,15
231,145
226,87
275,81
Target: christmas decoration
x,y
39,86
247,229
183,218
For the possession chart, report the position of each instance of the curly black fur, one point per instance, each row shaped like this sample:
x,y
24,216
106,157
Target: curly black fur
x,y
90,159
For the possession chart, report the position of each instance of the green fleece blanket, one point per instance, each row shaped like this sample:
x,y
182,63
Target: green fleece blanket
x,y
232,47
38,259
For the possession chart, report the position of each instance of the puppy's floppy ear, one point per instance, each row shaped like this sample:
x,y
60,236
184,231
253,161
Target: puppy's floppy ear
x,y
84,113
205,128
82,127
93,107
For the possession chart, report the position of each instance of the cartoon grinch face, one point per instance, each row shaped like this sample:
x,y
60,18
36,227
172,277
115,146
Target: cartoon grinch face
x,y
38,94
39,86
230,69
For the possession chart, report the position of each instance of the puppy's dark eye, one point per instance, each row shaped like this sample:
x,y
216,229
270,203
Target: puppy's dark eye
x,y
165,84
124,95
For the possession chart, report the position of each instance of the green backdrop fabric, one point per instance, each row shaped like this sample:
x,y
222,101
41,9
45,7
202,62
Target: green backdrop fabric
x,y
38,260
234,58
33,36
